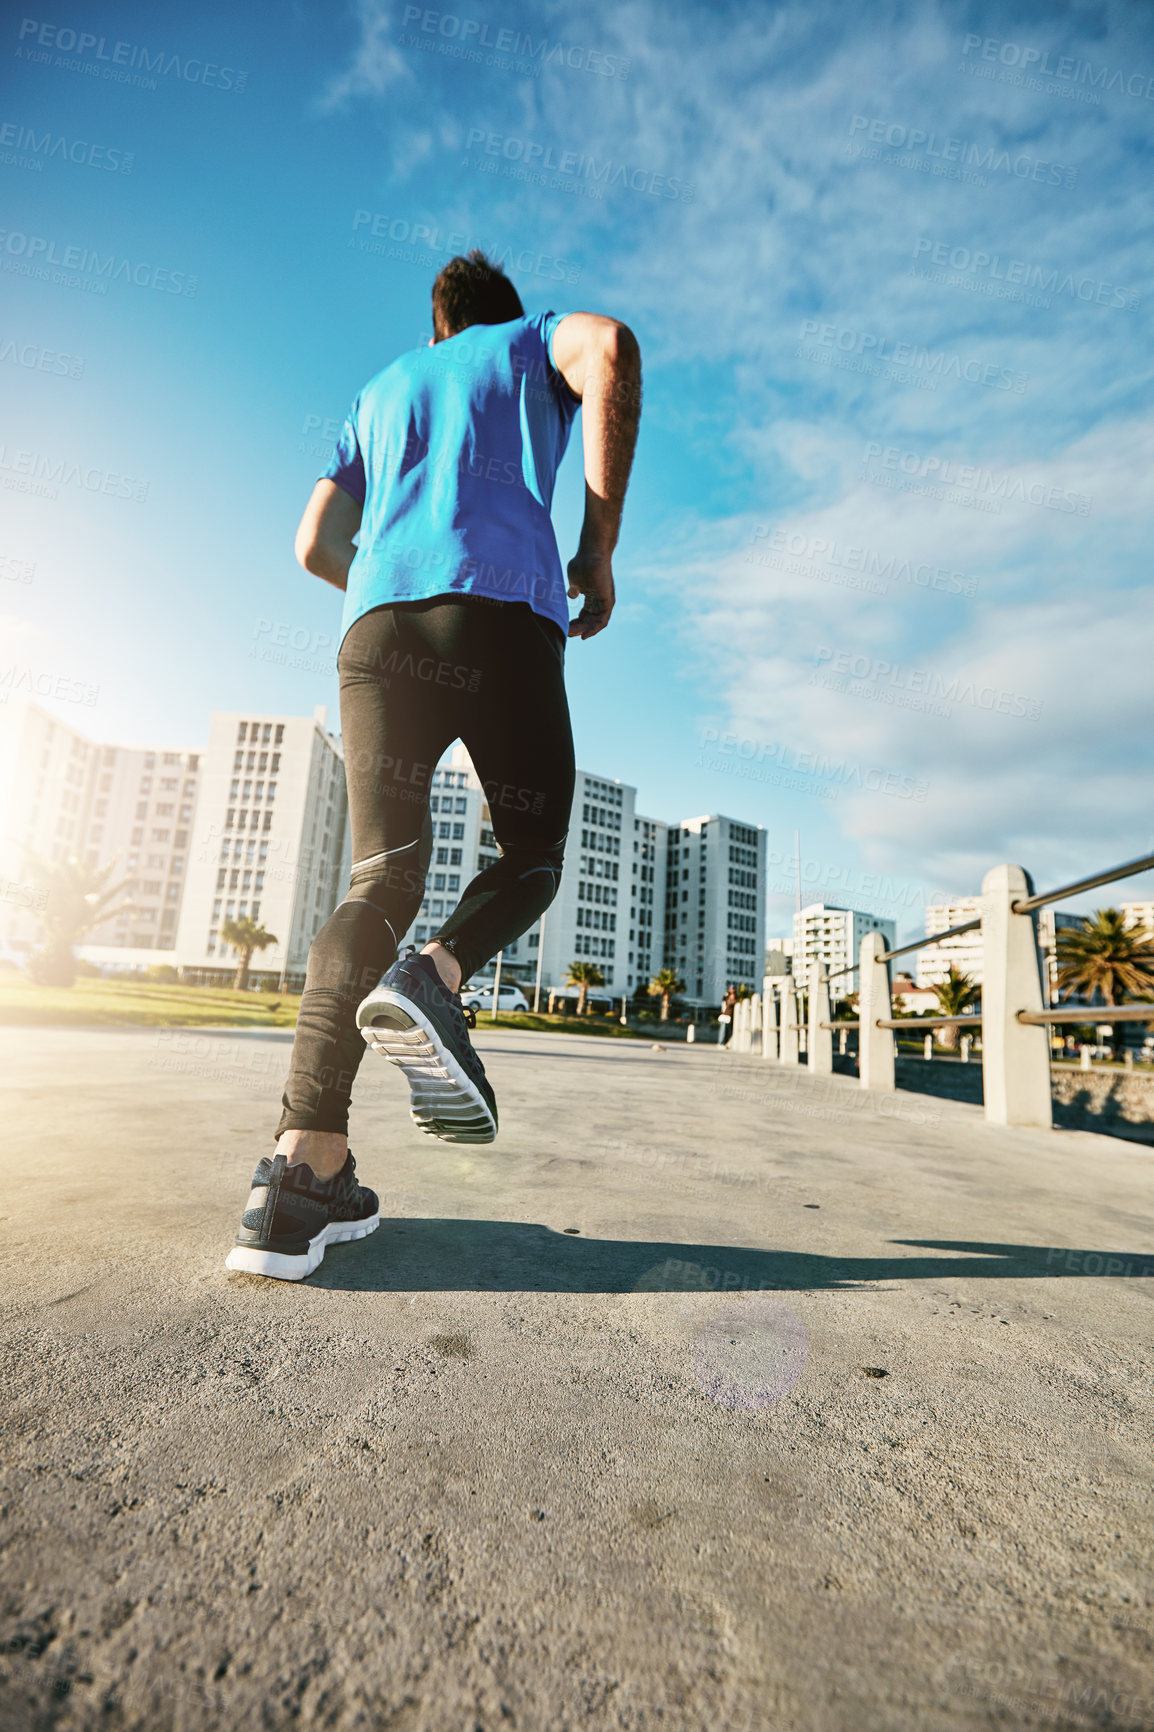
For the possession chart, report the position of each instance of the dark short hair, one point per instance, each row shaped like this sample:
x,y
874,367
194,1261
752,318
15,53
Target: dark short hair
x,y
472,291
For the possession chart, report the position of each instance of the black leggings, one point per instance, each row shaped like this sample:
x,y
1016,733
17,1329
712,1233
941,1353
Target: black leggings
x,y
414,678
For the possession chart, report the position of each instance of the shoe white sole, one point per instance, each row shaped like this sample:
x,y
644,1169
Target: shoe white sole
x,y
445,1102
251,1260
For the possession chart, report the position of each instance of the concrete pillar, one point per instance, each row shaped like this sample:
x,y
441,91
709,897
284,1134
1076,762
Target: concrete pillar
x,y
965,1048
841,1034
875,1045
788,1046
769,1031
819,1047
1015,1055
755,1021
740,1020
1084,1059
928,1046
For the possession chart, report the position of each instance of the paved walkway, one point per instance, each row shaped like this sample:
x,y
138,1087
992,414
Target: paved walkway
x,y
711,1397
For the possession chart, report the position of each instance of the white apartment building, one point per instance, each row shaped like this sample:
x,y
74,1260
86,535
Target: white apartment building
x,y
778,957
963,952
608,909
271,842
1139,914
142,813
46,771
833,937
648,875
715,905
589,919
64,795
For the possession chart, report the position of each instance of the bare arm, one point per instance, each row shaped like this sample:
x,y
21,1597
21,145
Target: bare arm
x,y
324,539
600,361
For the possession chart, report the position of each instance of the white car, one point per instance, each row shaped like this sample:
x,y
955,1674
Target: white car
x,y
479,996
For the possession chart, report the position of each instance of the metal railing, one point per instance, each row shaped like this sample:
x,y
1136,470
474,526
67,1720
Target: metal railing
x,y
1013,1019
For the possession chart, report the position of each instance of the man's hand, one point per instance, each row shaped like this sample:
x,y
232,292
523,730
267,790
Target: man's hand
x,y
591,575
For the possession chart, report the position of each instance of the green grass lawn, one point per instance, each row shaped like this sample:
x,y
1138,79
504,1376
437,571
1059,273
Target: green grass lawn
x,y
146,1004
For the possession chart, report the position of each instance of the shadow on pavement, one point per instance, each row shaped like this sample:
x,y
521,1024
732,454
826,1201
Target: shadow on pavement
x,y
441,1255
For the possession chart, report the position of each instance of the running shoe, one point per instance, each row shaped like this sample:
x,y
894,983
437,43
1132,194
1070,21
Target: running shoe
x,y
417,1023
292,1217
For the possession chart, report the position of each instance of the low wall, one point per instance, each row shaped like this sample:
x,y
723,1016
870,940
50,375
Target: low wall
x,y
1113,1103
1118,1103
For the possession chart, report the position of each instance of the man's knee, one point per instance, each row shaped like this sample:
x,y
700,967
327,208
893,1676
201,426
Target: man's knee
x,y
527,859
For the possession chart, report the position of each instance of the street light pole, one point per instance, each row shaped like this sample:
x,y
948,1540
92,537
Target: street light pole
x,y
496,985
540,959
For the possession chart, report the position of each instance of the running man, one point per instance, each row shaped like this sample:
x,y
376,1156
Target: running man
x,y
454,627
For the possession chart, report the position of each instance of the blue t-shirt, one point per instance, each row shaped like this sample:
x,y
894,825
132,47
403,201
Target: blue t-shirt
x,y
452,451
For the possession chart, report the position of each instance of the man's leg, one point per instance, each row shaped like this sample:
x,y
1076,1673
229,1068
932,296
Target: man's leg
x,y
395,727
517,730
507,667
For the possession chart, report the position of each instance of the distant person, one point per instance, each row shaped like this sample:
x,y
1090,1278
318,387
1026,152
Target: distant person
x,y
725,1015
454,627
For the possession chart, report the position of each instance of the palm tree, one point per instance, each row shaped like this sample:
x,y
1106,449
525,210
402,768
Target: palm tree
x,y
77,899
1107,956
246,936
955,994
663,986
583,975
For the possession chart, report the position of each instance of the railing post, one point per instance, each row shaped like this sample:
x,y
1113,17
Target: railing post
x,y
769,1007
788,1022
875,1045
741,1025
820,1043
1015,1055
755,1023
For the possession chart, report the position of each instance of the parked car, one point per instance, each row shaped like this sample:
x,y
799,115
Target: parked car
x,y
479,996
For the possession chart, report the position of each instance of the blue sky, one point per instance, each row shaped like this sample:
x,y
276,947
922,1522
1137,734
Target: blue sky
x,y
883,570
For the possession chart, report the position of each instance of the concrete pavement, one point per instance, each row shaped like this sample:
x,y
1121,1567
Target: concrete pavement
x,y
711,1396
